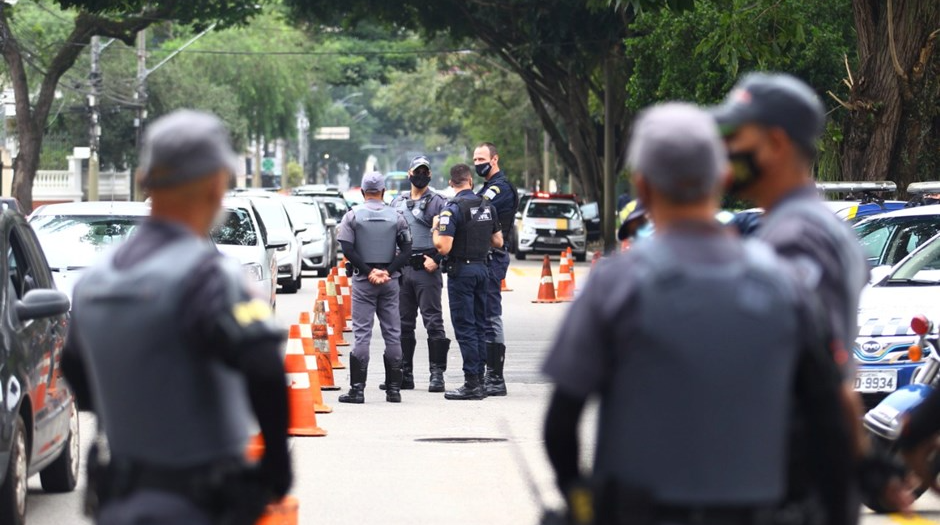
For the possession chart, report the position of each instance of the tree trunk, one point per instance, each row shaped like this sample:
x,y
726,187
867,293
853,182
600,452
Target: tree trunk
x,y
892,130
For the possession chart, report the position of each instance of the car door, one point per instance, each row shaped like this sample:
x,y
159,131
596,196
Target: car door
x,y
41,341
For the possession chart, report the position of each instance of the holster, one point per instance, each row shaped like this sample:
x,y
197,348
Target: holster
x,y
416,261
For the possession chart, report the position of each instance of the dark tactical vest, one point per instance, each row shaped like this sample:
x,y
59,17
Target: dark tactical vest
x,y
414,213
376,234
697,407
472,240
161,401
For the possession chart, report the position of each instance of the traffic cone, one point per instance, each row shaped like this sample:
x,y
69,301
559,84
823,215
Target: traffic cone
x,y
321,290
565,293
283,512
303,419
571,271
333,289
546,285
597,257
503,287
318,348
304,318
324,307
334,320
295,364
346,292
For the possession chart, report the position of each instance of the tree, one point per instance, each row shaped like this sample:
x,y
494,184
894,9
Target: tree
x,y
893,126
120,19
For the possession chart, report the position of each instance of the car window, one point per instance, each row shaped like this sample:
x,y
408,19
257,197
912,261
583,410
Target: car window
x,y
76,241
908,239
305,213
552,210
273,214
23,274
237,230
335,207
873,237
923,266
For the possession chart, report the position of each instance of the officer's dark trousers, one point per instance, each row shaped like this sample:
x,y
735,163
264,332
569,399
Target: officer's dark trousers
x,y
497,267
152,508
371,300
420,289
466,289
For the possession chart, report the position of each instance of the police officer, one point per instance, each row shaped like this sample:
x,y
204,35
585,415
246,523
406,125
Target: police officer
x,y
693,424
370,235
771,124
175,355
421,279
465,232
504,197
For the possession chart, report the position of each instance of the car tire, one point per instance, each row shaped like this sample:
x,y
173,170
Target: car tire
x,y
13,491
291,287
580,257
520,255
62,474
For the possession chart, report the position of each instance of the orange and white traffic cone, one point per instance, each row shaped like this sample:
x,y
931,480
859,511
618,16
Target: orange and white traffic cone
x,y
303,418
503,287
333,289
321,290
565,293
546,285
346,293
320,349
283,512
571,271
331,335
296,362
334,319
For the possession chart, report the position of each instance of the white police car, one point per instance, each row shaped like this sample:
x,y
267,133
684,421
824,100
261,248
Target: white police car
x,y
910,288
550,224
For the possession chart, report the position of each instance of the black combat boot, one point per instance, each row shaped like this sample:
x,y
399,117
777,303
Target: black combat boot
x,y
392,380
472,389
437,358
493,382
357,381
407,364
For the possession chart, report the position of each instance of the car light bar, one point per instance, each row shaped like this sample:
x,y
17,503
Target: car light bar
x,y
924,187
852,187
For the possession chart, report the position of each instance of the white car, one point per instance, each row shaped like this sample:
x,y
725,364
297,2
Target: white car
x,y
317,243
280,230
74,235
549,224
890,237
240,236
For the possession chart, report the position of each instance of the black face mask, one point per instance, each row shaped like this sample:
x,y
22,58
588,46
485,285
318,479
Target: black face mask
x,y
744,171
483,169
420,179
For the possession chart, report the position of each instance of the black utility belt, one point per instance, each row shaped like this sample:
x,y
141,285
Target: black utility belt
x,y
466,261
383,266
714,515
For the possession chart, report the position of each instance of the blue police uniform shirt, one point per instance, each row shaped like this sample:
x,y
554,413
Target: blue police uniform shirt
x,y
451,218
498,191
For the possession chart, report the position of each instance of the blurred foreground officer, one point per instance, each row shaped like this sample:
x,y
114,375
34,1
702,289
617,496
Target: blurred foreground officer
x,y
699,346
772,123
464,232
505,199
173,353
421,279
370,236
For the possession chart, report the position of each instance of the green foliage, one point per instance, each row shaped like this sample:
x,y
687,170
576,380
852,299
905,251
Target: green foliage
x,y
199,13
295,174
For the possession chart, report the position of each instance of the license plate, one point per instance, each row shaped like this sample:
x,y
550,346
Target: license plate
x,y
552,240
876,380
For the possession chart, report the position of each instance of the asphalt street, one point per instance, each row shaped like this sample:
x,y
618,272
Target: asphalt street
x,y
429,460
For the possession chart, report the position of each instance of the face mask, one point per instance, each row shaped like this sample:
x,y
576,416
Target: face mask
x,y
483,169
420,180
744,171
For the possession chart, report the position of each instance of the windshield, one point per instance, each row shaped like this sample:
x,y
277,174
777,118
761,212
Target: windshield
x,y
237,230
304,213
273,214
75,241
922,268
888,240
335,207
552,210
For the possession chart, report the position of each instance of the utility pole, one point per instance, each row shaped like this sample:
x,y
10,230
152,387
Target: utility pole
x,y
140,97
610,178
94,128
546,162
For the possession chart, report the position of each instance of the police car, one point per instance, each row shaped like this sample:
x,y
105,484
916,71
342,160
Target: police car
x,y
861,199
885,310
549,224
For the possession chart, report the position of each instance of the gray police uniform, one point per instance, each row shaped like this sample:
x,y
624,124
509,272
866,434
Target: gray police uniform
x,y
827,257
420,289
374,229
691,339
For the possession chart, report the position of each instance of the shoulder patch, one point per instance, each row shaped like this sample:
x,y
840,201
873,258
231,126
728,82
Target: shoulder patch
x,y
444,220
446,213
491,193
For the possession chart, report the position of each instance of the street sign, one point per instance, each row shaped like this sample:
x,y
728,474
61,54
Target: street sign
x,y
267,164
332,133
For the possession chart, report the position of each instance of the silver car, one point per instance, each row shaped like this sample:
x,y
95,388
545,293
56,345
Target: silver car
x,y
73,235
241,237
280,230
318,242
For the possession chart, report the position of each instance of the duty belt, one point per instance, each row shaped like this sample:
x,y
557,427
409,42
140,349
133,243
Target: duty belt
x,y
468,261
714,515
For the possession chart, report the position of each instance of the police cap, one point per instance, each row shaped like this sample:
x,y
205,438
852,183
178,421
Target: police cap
x,y
184,146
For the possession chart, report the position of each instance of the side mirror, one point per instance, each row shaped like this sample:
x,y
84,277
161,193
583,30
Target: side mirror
x,y
276,242
518,215
300,229
40,303
330,223
879,273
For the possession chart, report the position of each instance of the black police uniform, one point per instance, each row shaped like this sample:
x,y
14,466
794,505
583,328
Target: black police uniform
x,y
174,354
693,420
471,220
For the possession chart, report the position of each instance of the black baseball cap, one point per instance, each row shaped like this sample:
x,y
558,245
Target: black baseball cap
x,y
774,100
419,161
184,146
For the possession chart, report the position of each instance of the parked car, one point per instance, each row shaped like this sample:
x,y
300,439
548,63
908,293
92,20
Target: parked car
x,y
280,229
890,237
73,235
318,243
241,237
38,418
549,224
861,199
317,190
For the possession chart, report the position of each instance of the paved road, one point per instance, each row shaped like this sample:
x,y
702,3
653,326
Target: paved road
x,y
427,460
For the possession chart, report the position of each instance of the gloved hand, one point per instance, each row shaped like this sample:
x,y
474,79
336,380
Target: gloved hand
x,y
275,471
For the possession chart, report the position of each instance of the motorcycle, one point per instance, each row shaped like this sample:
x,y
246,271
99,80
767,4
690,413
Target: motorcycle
x,y
885,421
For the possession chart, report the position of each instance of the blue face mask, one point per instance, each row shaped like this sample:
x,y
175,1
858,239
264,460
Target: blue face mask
x,y
644,232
